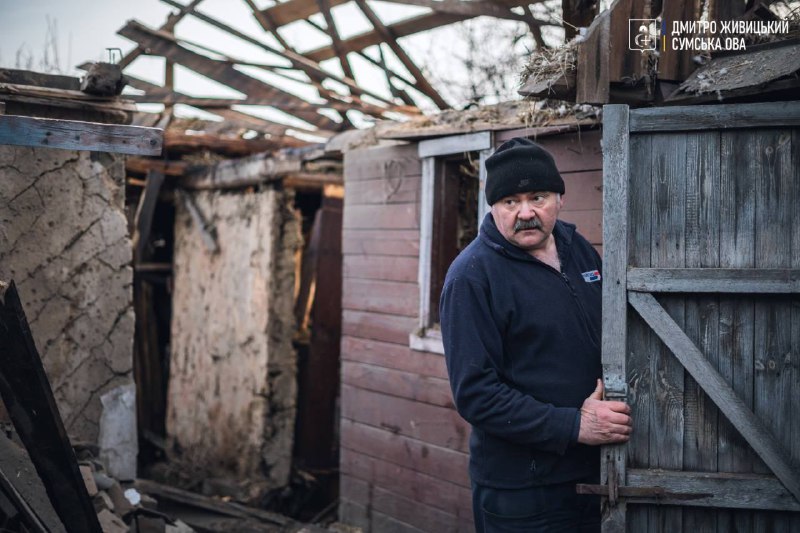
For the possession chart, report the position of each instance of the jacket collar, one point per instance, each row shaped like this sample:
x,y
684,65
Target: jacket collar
x,y
491,236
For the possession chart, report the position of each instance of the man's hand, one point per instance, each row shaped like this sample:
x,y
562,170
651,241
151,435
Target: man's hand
x,y
604,422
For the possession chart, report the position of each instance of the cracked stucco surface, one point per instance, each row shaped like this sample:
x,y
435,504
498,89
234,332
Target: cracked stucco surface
x,y
64,241
232,390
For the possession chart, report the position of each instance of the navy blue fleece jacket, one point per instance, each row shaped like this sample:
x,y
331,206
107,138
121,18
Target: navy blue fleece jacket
x,y
522,344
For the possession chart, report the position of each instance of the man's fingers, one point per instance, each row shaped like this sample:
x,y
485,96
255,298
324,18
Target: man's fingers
x,y
620,407
619,418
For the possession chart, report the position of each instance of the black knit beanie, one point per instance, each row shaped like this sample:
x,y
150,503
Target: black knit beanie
x,y
520,165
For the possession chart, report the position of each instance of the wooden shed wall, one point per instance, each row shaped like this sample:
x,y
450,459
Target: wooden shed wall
x,y
404,449
403,446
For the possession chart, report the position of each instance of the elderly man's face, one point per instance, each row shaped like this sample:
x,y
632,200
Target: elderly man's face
x,y
527,219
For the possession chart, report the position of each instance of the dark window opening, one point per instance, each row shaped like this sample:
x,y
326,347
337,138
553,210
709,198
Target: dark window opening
x,y
455,217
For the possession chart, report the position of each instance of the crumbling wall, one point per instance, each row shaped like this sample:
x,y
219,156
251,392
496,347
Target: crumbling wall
x,y
64,241
232,390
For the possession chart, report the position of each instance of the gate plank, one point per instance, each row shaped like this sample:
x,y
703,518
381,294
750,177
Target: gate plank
x,y
725,490
751,427
795,319
640,337
668,220
737,250
725,116
722,280
702,312
773,374
615,234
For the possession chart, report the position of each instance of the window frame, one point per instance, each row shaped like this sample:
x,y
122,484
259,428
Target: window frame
x,y
427,338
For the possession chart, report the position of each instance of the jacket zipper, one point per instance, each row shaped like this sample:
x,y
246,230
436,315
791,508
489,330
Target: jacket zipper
x,y
584,316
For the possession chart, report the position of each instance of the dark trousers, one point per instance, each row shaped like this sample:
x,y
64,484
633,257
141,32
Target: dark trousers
x,y
545,509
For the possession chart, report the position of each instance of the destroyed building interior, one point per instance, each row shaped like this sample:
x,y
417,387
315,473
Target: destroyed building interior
x,y
230,323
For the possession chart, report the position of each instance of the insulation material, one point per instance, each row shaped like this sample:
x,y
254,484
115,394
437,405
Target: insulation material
x,y
232,390
64,241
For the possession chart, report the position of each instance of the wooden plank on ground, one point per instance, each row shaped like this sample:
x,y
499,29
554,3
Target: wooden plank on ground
x,y
77,135
749,425
29,400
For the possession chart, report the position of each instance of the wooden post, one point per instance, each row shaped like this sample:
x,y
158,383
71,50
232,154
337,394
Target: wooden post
x,y
29,399
615,309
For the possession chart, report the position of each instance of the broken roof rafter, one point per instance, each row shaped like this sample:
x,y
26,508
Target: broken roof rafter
x,y
389,37
298,61
240,119
165,45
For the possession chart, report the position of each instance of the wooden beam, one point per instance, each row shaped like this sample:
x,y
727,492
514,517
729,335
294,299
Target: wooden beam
x,y
752,428
298,61
233,146
399,29
325,9
717,490
475,8
242,172
287,12
77,135
248,121
169,25
142,165
422,83
143,219
723,116
616,152
164,45
721,280
32,408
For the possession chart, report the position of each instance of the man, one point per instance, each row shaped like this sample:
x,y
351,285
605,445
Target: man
x,y
520,316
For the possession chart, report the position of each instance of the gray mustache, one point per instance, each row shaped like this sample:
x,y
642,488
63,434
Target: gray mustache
x,y
533,223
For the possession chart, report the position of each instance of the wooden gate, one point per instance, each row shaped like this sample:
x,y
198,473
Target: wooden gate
x,y
702,238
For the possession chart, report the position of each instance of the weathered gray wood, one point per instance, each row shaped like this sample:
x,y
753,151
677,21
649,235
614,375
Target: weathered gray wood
x,y
668,233
725,116
726,490
737,250
795,313
615,229
751,427
718,280
242,172
456,144
774,188
640,337
702,312
77,135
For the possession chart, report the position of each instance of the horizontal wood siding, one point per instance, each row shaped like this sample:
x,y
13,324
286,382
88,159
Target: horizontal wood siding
x,y
403,447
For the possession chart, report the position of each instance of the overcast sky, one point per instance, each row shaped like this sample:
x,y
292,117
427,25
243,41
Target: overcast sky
x,y
32,32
